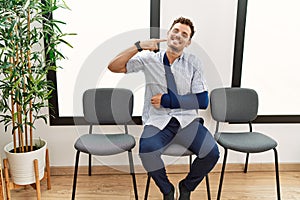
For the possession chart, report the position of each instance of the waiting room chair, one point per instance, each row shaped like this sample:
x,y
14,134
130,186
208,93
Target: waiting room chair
x,y
100,107
178,150
239,105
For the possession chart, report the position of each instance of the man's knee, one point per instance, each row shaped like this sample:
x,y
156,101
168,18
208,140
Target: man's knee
x,y
214,154
144,148
148,147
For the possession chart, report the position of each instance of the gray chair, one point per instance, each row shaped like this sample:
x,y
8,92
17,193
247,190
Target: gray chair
x,y
102,107
239,105
178,150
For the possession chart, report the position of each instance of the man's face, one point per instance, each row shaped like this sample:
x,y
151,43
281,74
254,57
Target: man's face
x,y
179,37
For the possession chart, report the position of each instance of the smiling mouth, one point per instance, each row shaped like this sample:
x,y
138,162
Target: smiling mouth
x,y
176,41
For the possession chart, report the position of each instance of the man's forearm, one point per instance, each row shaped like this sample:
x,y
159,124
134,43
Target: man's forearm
x,y
118,64
189,101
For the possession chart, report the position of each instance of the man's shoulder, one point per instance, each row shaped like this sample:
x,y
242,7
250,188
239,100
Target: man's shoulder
x,y
146,54
192,59
191,56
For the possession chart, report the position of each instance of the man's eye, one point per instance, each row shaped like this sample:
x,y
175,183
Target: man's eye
x,y
184,35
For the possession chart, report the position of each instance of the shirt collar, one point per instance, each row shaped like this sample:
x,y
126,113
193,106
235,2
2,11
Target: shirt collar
x,y
162,53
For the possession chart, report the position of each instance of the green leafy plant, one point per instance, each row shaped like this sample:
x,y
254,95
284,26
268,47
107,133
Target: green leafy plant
x,y
24,27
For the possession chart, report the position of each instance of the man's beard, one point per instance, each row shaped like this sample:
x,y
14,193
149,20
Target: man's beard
x,y
173,47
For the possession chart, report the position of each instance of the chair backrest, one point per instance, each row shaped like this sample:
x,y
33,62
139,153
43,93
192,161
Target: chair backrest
x,y
108,106
234,104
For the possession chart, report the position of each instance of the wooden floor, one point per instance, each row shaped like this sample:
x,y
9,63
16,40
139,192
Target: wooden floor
x,y
237,186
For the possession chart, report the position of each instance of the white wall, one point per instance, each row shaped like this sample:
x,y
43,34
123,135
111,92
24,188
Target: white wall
x,y
215,36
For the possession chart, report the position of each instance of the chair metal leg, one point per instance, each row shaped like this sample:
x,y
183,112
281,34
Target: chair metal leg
x,y
133,174
246,163
75,175
147,187
191,161
222,174
207,187
277,174
90,164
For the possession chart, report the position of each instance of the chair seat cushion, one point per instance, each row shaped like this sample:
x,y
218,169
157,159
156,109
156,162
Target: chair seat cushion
x,y
177,150
248,142
104,144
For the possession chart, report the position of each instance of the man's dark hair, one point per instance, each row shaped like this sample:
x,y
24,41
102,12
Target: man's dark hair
x,y
185,21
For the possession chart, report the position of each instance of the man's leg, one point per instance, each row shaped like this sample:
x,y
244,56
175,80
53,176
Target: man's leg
x,y
200,141
152,143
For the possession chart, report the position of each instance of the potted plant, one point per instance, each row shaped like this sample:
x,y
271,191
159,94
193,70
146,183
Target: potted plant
x,y
24,88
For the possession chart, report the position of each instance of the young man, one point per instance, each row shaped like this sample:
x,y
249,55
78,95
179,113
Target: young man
x,y
170,109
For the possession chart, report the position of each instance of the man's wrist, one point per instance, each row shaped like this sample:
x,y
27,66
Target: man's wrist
x,y
138,46
165,101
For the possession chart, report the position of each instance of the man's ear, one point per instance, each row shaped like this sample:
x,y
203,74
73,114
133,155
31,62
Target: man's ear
x,y
188,43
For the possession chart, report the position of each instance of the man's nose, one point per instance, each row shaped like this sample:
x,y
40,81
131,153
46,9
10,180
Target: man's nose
x,y
178,35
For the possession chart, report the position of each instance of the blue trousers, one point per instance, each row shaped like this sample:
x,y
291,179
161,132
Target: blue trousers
x,y
195,137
